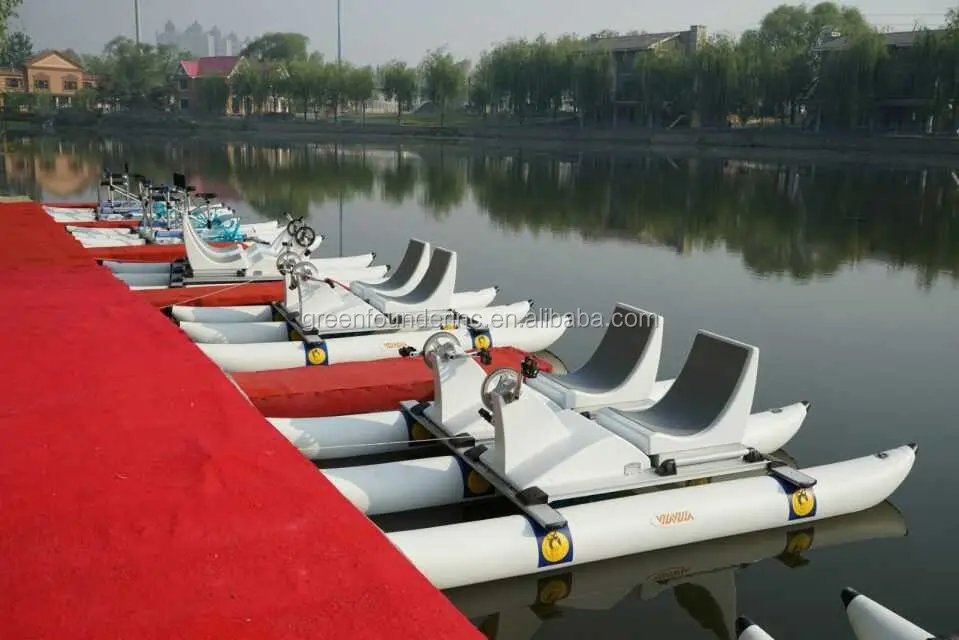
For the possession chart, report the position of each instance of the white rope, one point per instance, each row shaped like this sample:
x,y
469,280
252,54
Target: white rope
x,y
364,445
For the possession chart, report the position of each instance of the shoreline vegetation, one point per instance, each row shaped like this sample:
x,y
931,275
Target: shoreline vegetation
x,y
808,82
566,136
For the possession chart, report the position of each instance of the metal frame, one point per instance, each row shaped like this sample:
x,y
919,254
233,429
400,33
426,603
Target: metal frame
x,y
535,503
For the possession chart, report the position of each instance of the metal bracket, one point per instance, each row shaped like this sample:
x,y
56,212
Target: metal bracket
x,y
311,337
791,476
465,448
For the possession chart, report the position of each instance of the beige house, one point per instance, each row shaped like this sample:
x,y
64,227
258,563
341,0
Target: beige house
x,y
49,72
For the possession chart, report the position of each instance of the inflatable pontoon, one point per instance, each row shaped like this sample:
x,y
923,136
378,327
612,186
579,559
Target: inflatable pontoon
x,y
708,568
429,303
587,491
236,264
321,308
869,621
323,304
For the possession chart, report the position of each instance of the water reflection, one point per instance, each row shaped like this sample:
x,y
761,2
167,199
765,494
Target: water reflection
x,y
798,221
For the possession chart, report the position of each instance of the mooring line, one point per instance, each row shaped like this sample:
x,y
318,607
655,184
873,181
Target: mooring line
x,y
212,293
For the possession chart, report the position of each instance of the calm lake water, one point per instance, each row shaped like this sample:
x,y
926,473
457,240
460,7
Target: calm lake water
x,y
844,276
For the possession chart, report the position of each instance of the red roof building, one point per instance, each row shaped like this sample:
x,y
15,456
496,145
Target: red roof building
x,y
190,72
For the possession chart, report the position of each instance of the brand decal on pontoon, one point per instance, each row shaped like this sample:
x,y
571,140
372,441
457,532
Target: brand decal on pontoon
x,y
316,355
395,344
555,547
802,504
674,517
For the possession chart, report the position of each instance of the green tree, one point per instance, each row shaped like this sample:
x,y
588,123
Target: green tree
x,y
8,9
277,47
16,49
305,82
359,86
718,81
398,82
443,80
850,79
213,94
135,75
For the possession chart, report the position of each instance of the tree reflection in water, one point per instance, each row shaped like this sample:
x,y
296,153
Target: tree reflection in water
x,y
801,221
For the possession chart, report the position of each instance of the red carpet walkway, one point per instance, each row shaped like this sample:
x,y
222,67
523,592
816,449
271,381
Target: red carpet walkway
x,y
142,497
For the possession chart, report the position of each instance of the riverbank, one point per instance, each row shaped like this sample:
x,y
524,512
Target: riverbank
x,y
753,143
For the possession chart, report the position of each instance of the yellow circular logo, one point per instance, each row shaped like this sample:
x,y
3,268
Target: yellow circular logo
x,y
803,502
419,432
316,355
477,484
553,591
798,542
555,546
482,342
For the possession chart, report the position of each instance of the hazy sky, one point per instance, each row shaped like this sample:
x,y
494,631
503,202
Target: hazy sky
x,y
377,30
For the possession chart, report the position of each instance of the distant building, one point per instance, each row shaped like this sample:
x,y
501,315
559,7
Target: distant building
x,y
190,73
625,50
50,72
905,101
199,42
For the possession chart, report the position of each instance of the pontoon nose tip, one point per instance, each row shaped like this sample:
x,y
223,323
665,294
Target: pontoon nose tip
x,y
743,623
805,403
530,301
848,595
914,447
322,236
496,288
373,253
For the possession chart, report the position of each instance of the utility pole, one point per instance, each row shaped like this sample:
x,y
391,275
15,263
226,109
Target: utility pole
x,y
339,56
339,33
136,18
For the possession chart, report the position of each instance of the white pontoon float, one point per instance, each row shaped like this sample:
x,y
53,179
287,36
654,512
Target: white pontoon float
x,y
869,621
206,264
585,493
431,298
283,243
708,568
621,374
425,301
318,300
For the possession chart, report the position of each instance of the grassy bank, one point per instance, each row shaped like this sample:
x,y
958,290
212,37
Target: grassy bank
x,y
543,134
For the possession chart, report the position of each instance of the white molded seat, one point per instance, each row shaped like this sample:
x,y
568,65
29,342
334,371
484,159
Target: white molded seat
x,y
621,370
555,451
434,291
706,407
412,268
204,258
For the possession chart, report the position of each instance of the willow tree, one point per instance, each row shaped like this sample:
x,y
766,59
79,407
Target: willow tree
x,y
662,83
398,82
717,81
306,82
443,80
851,78
8,9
